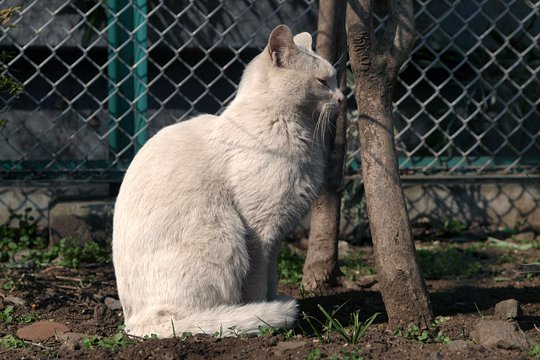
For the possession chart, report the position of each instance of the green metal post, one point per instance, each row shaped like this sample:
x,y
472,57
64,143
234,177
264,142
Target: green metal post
x,y
140,80
127,71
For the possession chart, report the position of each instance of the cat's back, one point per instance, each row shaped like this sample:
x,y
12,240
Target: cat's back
x,y
171,162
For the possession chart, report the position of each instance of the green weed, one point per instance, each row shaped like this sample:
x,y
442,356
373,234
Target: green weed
x,y
271,331
413,332
7,314
233,330
185,335
114,342
218,334
28,318
479,311
28,243
350,333
353,265
72,254
10,341
314,354
290,266
346,355
448,262
267,331
9,284
535,351
453,227
24,237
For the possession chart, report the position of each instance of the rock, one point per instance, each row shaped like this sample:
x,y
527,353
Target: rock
x,y
507,310
457,345
283,346
525,236
71,339
501,334
21,256
88,296
14,300
436,356
103,315
41,330
343,248
82,220
112,303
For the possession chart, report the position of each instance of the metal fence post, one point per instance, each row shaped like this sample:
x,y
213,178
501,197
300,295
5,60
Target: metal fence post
x,y
127,70
140,79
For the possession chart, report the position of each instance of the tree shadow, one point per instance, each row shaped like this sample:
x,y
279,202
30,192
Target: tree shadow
x,y
462,299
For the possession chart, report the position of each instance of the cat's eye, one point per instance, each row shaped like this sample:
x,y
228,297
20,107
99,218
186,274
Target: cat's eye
x,y
323,82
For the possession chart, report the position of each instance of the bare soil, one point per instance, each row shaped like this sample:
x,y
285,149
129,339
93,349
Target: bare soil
x,y
74,297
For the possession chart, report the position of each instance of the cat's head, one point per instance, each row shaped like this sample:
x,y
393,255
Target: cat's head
x,y
306,77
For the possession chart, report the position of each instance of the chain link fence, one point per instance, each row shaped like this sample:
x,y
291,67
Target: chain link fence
x,y
101,77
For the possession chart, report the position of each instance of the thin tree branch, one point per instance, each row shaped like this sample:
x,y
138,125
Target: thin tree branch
x,y
360,38
400,29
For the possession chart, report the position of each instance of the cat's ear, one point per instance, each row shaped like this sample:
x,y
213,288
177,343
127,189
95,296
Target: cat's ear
x,y
281,45
304,41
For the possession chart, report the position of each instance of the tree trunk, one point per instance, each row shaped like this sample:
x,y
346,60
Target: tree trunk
x,y
320,268
375,62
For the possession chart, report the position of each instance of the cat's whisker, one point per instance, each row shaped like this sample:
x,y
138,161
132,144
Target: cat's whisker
x,y
322,125
318,131
340,63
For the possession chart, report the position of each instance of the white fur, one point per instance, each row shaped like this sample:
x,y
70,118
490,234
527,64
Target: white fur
x,y
205,203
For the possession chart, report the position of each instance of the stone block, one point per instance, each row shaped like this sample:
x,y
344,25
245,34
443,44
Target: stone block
x,y
82,221
507,310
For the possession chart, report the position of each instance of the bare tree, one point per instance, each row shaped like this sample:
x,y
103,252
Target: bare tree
x,y
375,61
320,268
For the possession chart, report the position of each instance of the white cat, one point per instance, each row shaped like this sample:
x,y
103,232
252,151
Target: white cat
x,y
205,202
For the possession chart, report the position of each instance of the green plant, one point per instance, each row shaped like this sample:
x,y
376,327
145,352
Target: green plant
x,y
218,334
353,265
185,335
114,342
267,331
479,311
9,284
24,237
7,314
72,253
8,85
413,332
535,351
347,355
454,227
9,341
29,243
314,354
357,327
450,261
290,265
233,330
28,318
350,334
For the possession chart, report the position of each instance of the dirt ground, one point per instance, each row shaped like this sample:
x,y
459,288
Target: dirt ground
x,y
76,298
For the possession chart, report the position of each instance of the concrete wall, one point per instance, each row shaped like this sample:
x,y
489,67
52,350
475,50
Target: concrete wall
x,y
85,212
499,204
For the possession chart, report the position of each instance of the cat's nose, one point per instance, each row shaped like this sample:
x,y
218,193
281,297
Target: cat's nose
x,y
339,96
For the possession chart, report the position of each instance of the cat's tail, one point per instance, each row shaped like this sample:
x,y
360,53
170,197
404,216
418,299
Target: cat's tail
x,y
224,320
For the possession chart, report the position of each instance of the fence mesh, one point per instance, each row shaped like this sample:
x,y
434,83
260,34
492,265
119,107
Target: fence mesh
x,y
101,77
